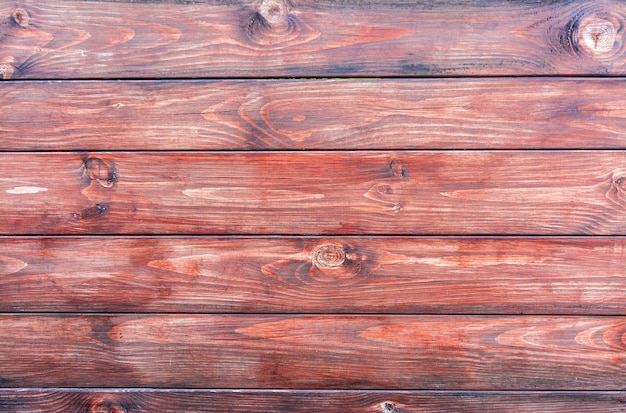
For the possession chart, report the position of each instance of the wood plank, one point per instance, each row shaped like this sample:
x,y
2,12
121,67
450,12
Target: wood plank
x,y
314,275
219,401
314,352
211,38
348,114
451,192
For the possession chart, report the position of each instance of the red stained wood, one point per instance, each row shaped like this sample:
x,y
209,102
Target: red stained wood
x,y
175,401
314,275
265,315
314,193
75,39
346,114
314,352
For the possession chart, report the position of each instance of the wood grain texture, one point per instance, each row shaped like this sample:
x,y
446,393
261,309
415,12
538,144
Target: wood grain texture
x,y
219,401
338,114
314,275
452,192
314,352
203,38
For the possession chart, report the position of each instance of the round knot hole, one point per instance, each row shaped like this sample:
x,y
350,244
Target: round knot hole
x,y
21,18
597,36
330,256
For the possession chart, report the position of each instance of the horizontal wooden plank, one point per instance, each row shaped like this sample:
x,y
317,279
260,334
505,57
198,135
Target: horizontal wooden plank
x,y
211,38
314,352
314,275
466,192
349,114
219,401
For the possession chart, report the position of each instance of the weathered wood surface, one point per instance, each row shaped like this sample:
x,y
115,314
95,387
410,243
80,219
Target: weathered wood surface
x,y
451,192
345,298
335,114
158,39
314,275
314,352
199,401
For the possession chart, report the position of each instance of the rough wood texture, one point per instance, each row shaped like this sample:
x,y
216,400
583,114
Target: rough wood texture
x,y
314,275
305,292
347,114
76,39
315,193
314,352
198,401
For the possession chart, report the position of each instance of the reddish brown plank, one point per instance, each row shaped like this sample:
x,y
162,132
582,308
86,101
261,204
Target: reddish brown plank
x,y
314,275
76,39
471,192
219,401
314,352
348,114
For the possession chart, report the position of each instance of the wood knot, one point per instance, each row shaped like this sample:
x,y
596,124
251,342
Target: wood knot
x,y
6,71
384,189
597,36
337,263
20,17
95,211
398,170
321,263
619,183
109,406
617,189
274,13
592,33
388,407
269,24
100,171
329,256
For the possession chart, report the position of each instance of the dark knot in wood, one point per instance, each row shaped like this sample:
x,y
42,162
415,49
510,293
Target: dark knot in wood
x,y
398,170
388,407
95,211
101,171
21,17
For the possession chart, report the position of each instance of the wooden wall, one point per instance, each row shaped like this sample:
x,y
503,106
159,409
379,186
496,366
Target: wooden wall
x,y
376,206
